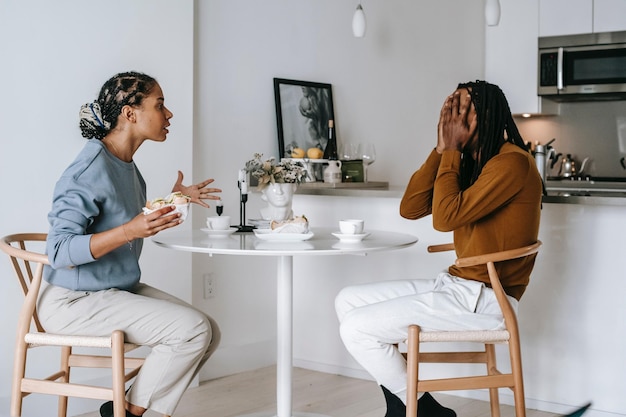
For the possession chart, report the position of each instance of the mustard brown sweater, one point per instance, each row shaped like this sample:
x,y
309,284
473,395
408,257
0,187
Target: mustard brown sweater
x,y
500,211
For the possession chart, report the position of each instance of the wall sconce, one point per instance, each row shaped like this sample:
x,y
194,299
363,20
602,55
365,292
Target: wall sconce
x,y
358,22
492,12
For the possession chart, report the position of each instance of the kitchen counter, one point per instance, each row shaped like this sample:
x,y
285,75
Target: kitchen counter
x,y
559,192
593,192
598,200
372,189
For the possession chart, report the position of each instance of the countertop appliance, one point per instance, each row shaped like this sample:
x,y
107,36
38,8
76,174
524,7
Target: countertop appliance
x,y
583,67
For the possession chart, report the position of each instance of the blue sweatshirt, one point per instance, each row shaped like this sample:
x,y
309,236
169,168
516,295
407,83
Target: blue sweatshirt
x,y
97,192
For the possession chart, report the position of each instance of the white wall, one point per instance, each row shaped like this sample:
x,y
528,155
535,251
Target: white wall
x,y
387,87
55,57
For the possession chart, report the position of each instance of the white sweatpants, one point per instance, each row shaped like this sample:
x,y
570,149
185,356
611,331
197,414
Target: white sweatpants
x,y
181,337
374,317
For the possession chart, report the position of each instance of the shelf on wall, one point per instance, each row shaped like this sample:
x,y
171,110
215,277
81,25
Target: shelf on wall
x,y
371,185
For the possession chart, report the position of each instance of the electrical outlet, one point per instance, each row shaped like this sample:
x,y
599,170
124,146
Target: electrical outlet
x,y
209,285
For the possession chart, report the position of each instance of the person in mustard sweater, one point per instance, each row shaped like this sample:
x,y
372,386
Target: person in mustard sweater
x,y
481,183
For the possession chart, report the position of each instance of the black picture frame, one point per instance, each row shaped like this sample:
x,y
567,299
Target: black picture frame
x,y
303,109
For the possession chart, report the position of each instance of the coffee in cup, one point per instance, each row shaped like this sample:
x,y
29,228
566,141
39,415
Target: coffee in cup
x,y
351,226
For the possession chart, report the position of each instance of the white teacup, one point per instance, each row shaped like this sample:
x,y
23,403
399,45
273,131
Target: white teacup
x,y
351,226
218,222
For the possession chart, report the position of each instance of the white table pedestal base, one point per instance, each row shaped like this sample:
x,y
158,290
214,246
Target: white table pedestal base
x,y
284,338
284,343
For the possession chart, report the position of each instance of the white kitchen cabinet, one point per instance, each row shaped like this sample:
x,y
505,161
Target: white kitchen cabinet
x,y
511,54
565,17
569,17
609,15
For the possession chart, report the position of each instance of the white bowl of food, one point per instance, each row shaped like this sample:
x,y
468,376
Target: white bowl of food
x,y
178,200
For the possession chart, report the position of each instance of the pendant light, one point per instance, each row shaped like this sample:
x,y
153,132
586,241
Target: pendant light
x,y
492,12
358,22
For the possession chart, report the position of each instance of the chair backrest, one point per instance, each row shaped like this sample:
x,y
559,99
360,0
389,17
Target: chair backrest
x,y
490,260
28,267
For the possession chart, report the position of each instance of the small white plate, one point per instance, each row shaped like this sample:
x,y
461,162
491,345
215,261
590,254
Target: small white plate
x,y
219,233
260,223
267,234
347,238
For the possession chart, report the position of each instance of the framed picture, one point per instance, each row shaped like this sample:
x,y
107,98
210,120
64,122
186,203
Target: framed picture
x,y
303,109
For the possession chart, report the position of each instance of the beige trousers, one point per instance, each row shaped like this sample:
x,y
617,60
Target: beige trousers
x,y
182,338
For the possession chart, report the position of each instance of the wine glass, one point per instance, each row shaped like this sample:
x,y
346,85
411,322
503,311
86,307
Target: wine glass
x,y
368,154
350,151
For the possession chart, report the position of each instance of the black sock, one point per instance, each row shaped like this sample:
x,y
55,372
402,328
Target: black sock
x,y
427,406
395,406
106,410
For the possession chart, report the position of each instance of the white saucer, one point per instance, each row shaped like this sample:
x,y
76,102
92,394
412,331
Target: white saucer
x,y
269,235
219,233
350,238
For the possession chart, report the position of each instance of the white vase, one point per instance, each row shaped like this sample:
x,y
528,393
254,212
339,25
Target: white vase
x,y
279,197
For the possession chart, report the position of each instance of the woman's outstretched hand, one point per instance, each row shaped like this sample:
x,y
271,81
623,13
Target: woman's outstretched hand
x,y
198,192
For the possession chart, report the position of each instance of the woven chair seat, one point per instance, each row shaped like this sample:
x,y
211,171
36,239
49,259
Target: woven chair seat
x,y
51,339
480,336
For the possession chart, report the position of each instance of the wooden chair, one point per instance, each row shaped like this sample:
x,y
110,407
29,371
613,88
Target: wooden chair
x,y
493,378
30,333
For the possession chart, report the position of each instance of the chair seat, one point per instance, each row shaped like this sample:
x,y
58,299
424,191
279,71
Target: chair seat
x,y
50,339
480,336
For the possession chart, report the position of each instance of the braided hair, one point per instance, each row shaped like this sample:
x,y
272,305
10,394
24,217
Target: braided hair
x,y
495,127
127,88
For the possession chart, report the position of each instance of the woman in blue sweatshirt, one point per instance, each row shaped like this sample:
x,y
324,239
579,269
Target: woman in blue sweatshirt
x,y
95,239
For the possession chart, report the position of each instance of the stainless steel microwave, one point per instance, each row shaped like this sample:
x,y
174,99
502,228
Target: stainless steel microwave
x,y
583,67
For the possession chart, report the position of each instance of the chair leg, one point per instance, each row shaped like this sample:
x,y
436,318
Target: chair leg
x,y
66,352
117,357
518,378
494,397
412,363
19,369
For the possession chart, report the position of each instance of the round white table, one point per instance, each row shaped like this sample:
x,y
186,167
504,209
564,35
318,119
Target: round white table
x,y
323,243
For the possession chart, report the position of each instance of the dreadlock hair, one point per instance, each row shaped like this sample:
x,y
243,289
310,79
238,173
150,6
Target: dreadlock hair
x,y
495,126
126,88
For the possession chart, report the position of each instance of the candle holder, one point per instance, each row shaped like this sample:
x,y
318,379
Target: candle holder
x,y
243,199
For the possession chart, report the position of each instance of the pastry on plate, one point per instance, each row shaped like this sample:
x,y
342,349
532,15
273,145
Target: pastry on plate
x,y
299,224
